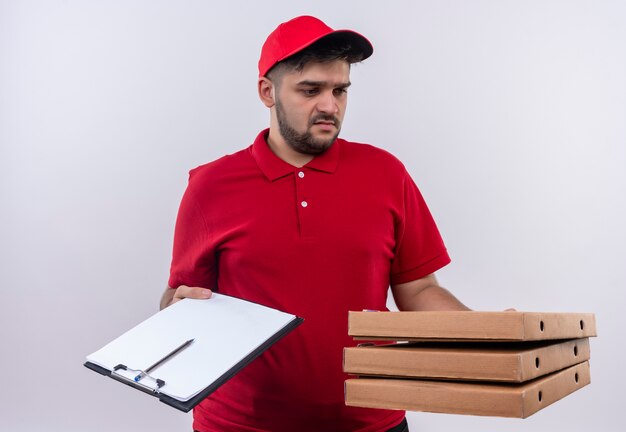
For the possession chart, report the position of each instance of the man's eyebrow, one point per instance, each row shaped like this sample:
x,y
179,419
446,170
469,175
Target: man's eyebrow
x,y
308,83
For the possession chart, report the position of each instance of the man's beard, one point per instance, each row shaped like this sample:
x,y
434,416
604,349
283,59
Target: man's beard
x,y
304,142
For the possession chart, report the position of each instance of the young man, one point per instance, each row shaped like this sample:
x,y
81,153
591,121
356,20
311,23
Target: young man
x,y
310,224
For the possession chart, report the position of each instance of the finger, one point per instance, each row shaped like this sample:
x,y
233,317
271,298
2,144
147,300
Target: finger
x,y
185,291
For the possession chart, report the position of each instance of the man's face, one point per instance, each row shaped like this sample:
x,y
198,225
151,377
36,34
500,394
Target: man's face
x,y
311,104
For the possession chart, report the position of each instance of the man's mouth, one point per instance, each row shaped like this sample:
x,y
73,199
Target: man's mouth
x,y
325,122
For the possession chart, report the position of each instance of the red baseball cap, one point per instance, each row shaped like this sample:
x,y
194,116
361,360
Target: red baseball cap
x,y
298,33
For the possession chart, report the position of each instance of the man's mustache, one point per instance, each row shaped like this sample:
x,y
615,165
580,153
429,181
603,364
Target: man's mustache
x,y
324,118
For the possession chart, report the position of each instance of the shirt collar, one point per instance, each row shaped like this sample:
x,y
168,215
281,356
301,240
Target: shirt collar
x,y
274,168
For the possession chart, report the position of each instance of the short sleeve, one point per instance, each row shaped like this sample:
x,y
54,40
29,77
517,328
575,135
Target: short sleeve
x,y
420,250
193,255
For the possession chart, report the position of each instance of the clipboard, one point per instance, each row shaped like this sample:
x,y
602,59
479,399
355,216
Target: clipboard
x,y
228,334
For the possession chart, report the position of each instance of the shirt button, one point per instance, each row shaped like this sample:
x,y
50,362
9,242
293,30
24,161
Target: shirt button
x,y
304,203
301,174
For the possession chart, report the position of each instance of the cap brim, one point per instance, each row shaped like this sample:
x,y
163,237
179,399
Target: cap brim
x,y
360,44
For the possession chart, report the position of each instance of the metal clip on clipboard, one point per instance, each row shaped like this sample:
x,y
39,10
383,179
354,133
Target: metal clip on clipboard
x,y
142,374
135,383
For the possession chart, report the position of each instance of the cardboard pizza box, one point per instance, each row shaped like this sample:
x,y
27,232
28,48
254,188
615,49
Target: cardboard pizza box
x,y
482,399
470,325
494,361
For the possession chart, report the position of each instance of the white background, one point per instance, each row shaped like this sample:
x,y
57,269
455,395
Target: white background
x,y
510,115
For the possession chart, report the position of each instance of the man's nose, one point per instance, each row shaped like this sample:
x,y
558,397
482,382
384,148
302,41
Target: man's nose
x,y
327,103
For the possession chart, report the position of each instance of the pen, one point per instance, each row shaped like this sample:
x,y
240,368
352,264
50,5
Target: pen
x,y
164,359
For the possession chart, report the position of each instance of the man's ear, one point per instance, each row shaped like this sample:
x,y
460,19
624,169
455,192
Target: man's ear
x,y
266,92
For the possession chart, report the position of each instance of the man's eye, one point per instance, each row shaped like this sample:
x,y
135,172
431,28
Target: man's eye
x,y
309,92
340,91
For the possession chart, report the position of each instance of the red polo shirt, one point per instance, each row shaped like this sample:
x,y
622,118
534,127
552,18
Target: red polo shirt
x,y
315,241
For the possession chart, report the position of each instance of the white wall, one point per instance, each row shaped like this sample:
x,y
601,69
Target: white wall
x,y
509,115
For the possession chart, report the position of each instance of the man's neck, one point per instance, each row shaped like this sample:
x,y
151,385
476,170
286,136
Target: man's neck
x,y
281,149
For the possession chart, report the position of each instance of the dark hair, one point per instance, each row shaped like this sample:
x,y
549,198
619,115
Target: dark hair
x,y
325,50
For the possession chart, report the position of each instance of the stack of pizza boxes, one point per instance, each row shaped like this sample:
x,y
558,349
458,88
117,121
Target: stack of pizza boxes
x,y
504,364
